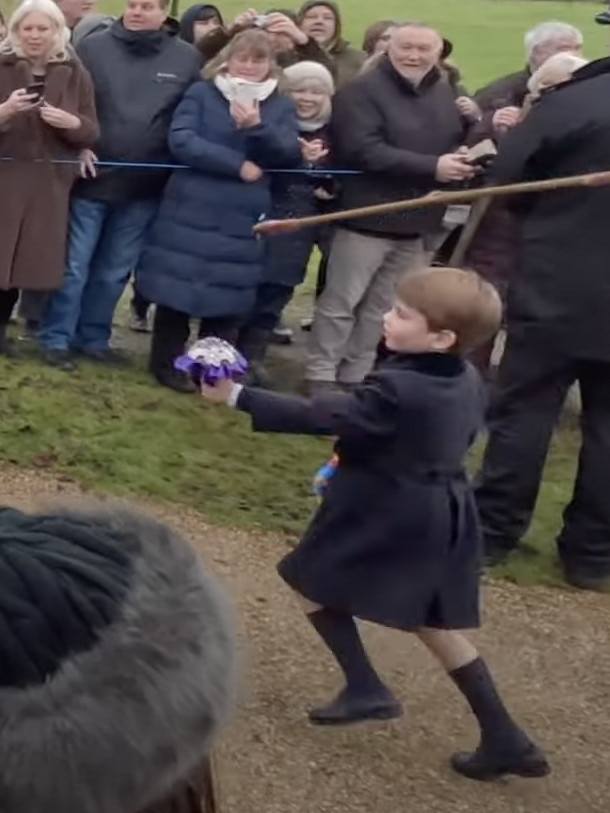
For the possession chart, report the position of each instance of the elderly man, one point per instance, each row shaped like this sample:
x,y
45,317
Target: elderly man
x,y
500,101
399,124
558,331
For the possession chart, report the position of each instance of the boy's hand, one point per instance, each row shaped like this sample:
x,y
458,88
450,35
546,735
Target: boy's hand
x,y
219,393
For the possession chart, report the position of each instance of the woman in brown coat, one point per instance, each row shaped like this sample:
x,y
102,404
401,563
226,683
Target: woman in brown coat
x,y
47,112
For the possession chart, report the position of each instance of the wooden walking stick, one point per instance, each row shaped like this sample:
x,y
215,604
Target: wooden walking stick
x,y
477,213
270,227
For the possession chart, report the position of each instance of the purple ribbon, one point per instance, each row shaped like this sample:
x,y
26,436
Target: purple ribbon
x,y
212,360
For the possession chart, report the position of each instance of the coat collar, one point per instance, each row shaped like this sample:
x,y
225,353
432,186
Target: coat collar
x,y
442,365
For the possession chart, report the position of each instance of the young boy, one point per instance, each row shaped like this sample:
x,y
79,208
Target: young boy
x,y
396,540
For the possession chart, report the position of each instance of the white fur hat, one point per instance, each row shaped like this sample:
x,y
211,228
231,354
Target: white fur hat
x,y
306,71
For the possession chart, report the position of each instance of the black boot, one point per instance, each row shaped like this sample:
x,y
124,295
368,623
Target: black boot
x,y
253,344
170,334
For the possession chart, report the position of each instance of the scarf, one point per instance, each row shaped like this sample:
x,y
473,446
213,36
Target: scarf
x,y
233,89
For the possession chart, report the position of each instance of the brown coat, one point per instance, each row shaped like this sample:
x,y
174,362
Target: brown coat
x,y
35,192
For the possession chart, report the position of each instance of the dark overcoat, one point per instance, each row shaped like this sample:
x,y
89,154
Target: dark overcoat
x,y
35,192
202,257
396,539
560,293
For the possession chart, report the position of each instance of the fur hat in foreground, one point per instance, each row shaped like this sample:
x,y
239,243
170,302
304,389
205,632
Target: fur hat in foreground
x,y
117,660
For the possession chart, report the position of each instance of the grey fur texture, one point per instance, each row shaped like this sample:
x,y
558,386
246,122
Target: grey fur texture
x,y
117,727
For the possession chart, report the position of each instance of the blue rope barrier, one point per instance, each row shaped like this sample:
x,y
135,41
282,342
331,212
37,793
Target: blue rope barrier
x,y
319,173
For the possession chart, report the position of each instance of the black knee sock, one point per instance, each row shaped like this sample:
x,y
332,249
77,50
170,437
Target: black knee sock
x,y
340,634
499,732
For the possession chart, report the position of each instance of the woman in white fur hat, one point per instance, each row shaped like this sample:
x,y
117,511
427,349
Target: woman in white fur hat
x,y
311,87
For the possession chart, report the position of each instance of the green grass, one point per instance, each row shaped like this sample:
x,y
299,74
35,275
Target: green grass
x,y
116,432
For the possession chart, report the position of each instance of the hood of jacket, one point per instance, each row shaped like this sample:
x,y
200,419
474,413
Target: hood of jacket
x,y
197,12
337,44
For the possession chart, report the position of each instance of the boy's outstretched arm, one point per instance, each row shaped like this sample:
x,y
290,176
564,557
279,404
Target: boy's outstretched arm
x,y
368,411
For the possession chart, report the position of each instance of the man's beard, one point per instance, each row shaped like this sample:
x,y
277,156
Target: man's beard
x,y
414,75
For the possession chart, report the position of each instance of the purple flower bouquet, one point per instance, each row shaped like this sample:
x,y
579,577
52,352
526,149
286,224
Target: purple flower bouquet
x,y
212,360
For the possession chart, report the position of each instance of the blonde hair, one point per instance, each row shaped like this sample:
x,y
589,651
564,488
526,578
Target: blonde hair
x,y
12,44
456,300
254,41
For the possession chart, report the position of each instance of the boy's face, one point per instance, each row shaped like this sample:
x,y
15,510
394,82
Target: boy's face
x,y
406,330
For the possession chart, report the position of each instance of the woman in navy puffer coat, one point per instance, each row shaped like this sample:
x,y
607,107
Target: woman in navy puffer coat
x,y
202,259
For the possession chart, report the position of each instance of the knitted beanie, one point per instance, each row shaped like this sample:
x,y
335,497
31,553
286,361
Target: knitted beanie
x,y
117,660
306,71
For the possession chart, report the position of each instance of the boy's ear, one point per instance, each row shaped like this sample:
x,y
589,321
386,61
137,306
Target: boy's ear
x,y
444,340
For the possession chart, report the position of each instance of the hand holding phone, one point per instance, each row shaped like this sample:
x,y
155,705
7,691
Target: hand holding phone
x,y
20,101
36,91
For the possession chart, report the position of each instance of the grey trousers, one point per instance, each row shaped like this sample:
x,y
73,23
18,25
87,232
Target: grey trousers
x,y
362,274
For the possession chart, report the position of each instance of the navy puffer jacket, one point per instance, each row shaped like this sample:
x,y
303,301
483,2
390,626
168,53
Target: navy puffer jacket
x,y
202,257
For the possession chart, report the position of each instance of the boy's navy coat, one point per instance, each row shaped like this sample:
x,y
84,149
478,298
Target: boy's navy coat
x,y
396,539
202,257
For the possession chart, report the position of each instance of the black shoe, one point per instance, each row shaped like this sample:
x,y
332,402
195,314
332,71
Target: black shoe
x,y
177,381
530,763
587,581
107,355
60,359
603,18
346,709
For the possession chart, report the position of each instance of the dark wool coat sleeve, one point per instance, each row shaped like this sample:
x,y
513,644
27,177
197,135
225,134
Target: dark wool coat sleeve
x,y
191,148
370,411
521,151
358,132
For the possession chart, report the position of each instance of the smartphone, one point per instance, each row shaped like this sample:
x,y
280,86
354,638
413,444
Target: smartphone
x,y
35,89
260,20
482,154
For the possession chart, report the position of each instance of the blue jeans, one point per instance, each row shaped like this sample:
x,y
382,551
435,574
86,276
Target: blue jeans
x,y
104,245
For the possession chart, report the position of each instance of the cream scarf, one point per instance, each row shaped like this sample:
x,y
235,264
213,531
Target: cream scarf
x,y
234,89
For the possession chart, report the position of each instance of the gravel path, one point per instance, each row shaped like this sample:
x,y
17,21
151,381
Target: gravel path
x,y
550,650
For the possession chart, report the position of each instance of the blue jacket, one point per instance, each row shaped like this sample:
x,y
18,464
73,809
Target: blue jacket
x,y
202,257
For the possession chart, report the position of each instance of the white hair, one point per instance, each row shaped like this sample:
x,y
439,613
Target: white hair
x,y
549,32
556,69
50,9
